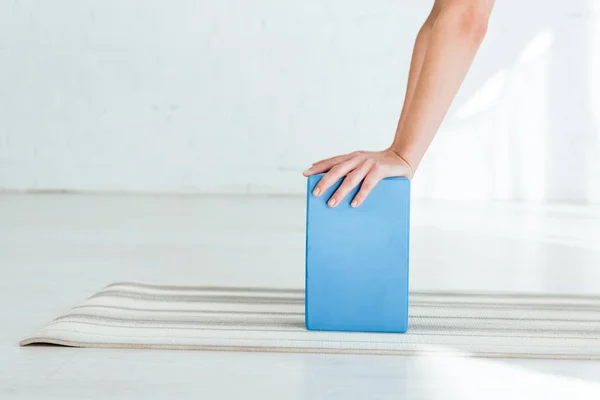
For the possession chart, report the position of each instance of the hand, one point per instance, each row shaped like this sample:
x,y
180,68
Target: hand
x,y
367,166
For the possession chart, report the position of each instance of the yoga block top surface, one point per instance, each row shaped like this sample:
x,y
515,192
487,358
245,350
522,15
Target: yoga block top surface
x,y
357,259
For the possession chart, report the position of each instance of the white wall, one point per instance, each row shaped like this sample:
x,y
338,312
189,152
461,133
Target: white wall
x,y
241,95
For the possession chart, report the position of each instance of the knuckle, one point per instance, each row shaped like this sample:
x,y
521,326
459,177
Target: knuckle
x,y
378,170
324,184
335,169
351,181
325,164
370,162
328,180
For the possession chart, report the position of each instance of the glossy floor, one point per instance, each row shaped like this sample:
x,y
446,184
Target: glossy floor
x,y
56,250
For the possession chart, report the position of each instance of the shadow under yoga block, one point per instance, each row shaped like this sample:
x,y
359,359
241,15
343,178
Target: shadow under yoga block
x,y
357,259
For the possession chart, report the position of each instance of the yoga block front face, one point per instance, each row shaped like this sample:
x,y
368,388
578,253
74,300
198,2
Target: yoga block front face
x,y
357,259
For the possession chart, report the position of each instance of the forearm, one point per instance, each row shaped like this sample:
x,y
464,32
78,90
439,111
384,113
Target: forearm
x,y
454,40
416,62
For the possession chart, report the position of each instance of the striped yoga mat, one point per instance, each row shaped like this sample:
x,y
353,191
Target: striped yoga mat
x,y
136,315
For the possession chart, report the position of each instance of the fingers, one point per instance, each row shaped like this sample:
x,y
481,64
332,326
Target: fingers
x,y
334,174
339,158
372,178
325,165
350,182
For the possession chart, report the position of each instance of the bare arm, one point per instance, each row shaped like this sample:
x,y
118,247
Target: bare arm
x,y
443,53
456,35
416,62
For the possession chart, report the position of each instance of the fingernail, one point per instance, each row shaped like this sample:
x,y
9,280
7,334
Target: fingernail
x,y
316,191
306,172
331,202
354,203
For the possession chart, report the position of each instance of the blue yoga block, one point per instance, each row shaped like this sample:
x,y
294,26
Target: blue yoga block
x,y
357,259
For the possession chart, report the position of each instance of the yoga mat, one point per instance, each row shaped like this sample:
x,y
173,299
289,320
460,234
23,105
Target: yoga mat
x,y
146,316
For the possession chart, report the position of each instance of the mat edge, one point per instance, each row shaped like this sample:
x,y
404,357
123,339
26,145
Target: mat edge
x,y
256,349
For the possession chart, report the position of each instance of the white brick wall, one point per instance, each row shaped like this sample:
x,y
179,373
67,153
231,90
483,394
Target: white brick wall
x,y
240,96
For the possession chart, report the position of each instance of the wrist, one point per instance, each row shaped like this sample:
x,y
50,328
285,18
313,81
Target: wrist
x,y
405,158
